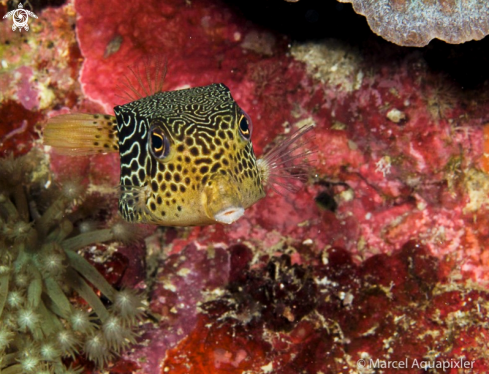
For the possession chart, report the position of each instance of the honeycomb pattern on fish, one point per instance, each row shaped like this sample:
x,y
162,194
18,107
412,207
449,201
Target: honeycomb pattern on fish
x,y
202,128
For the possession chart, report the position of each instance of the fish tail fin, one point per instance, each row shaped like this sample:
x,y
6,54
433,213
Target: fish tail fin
x,y
288,162
82,134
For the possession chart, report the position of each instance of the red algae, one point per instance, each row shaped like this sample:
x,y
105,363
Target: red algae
x,y
485,155
222,349
365,312
17,130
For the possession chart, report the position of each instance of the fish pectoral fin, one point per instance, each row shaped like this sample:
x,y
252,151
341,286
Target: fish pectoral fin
x,y
82,134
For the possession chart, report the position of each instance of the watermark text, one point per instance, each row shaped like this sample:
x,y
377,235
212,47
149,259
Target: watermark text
x,y
415,364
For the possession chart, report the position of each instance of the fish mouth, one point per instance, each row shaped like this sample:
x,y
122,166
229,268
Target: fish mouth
x,y
221,200
229,215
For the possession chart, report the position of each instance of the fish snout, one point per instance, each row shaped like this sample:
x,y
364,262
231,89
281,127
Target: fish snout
x,y
222,200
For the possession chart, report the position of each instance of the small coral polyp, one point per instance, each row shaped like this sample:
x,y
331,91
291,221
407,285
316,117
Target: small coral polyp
x,y
44,280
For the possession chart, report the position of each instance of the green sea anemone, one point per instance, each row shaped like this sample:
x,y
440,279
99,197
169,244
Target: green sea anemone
x,y
43,278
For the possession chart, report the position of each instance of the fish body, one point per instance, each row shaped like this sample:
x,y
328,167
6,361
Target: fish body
x,y
186,156
207,167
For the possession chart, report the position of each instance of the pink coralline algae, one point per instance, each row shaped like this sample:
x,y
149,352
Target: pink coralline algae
x,y
382,254
414,23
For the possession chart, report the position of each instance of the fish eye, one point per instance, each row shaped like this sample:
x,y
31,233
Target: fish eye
x,y
158,143
245,125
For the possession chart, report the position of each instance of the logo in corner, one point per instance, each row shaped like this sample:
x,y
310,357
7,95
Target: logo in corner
x,y
20,17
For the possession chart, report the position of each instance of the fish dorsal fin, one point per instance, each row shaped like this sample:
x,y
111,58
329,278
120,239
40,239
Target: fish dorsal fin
x,y
144,79
82,134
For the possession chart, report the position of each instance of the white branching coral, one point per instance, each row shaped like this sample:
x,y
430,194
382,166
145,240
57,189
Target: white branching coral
x,y
42,275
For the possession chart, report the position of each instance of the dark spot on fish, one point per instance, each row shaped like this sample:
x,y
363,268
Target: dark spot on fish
x,y
215,167
206,151
173,187
203,161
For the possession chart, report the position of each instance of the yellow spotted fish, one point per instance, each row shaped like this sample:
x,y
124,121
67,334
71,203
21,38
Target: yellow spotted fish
x,y
186,156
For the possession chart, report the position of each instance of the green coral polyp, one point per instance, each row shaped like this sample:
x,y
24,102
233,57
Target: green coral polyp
x,y
41,272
